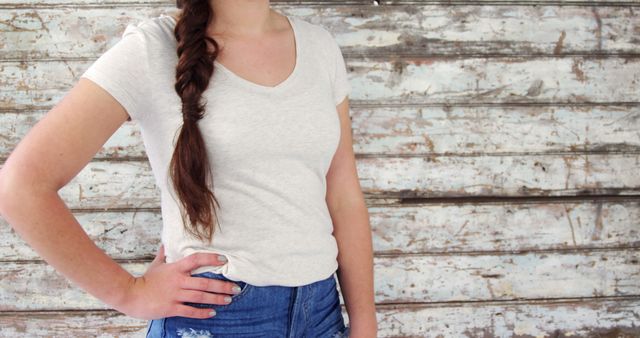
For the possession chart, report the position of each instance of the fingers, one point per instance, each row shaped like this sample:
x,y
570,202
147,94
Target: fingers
x,y
198,259
208,284
193,296
183,310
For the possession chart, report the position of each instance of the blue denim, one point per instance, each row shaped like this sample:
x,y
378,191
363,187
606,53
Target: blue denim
x,y
307,311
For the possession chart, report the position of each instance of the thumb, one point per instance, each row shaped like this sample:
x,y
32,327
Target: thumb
x,y
160,255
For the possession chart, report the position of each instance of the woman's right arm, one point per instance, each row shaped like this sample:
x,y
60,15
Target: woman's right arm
x,y
54,151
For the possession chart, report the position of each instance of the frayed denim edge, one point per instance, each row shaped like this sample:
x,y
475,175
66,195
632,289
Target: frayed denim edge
x,y
344,334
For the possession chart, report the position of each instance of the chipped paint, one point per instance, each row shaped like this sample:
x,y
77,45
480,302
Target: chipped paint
x,y
432,91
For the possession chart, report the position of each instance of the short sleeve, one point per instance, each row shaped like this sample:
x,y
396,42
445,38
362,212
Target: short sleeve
x,y
341,86
123,72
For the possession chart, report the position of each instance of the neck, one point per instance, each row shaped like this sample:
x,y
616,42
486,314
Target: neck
x,y
241,18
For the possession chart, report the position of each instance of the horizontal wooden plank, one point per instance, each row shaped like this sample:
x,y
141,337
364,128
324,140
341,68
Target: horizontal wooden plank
x,y
398,279
507,226
432,28
121,234
103,324
456,130
404,229
605,317
35,85
496,80
511,2
589,318
445,278
131,184
416,31
126,142
535,175
167,3
57,3
30,286
425,130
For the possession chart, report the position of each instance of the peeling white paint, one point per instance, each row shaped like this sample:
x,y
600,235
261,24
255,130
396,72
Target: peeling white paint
x,y
535,152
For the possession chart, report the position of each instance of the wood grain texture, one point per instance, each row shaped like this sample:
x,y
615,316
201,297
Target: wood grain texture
x,y
469,228
425,80
509,226
497,145
594,318
121,234
41,3
126,184
419,130
605,317
362,31
416,278
168,3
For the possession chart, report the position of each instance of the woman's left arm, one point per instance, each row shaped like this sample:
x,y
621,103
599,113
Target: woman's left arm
x,y
353,233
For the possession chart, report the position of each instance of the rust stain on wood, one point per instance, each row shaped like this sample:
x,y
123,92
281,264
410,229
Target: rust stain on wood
x,y
576,69
558,49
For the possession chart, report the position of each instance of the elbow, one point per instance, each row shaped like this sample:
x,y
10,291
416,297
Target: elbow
x,y
6,189
22,181
3,190
15,186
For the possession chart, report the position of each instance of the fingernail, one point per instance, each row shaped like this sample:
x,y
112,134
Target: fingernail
x,y
236,289
227,299
212,313
222,258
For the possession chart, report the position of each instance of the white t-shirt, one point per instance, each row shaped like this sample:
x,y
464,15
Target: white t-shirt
x,y
270,149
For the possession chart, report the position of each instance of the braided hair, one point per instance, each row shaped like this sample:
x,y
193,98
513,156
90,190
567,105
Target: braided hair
x,y
189,168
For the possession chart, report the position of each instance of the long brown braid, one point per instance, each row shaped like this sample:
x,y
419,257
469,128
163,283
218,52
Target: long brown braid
x,y
189,168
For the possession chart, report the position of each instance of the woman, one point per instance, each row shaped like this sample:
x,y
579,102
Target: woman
x,y
244,115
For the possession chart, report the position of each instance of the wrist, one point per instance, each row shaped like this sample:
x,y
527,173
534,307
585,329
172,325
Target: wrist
x,y
361,318
124,293
363,329
364,325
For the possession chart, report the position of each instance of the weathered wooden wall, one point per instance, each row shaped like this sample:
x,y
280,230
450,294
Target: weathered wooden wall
x,y
498,145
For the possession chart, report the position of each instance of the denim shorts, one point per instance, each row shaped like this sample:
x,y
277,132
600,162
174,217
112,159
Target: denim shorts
x,y
311,311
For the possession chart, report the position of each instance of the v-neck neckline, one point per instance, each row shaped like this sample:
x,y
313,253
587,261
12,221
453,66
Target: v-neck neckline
x,y
284,83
